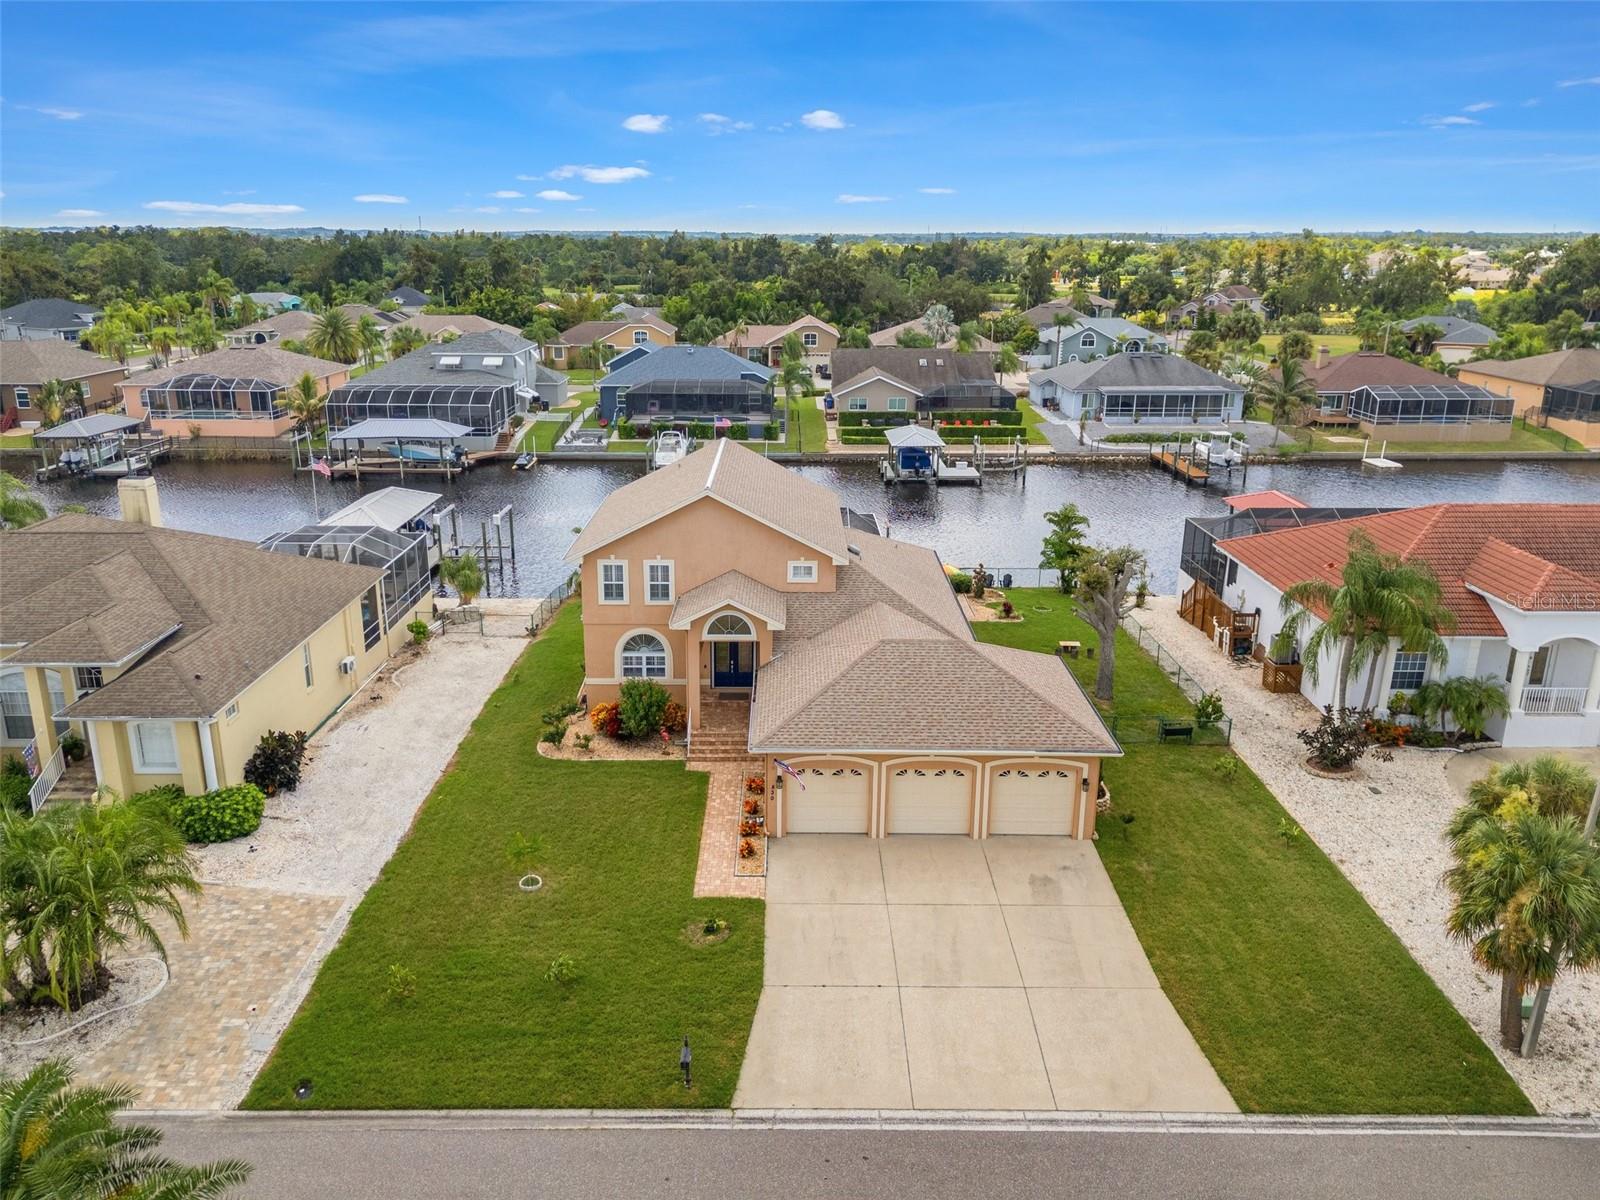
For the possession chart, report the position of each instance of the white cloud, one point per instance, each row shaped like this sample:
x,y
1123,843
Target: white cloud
x,y
527,210
1480,106
557,194
60,114
379,198
1448,122
487,208
1590,81
530,178
717,123
505,194
73,213
1531,102
600,174
237,210
647,123
822,118
583,210
937,191
240,192
852,198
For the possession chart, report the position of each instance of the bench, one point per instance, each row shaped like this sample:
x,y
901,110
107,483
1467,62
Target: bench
x,y
1170,730
1067,649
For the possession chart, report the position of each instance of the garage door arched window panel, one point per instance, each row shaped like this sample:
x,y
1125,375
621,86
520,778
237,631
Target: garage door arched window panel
x,y
940,773
730,626
644,656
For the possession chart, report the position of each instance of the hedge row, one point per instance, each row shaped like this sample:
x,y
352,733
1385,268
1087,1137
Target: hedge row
x,y
851,420
952,437
219,816
999,416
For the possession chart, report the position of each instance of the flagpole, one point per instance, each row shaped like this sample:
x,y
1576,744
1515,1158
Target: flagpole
x,y
316,509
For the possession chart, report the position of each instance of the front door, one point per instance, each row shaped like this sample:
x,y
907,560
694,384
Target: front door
x,y
733,664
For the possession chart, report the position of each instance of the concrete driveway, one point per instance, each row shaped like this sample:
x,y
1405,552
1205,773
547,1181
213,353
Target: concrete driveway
x,y
947,973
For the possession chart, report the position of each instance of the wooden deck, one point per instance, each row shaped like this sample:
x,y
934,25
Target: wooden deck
x,y
1184,467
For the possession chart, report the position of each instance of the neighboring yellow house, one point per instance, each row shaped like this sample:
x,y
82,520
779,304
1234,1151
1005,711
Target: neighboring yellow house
x,y
619,335
237,392
1559,390
839,660
764,343
171,653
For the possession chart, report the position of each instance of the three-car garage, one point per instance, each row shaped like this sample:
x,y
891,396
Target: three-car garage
x,y
935,796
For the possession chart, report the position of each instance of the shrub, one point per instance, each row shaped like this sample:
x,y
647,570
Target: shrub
x,y
701,431
961,582
401,983
1007,609
275,766
563,969
676,718
606,718
419,632
73,748
15,784
755,785
626,430
1339,739
1208,710
161,798
1289,831
220,816
517,420
583,741
641,707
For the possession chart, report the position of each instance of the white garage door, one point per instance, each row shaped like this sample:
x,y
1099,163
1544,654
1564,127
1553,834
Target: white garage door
x,y
1032,800
835,799
930,798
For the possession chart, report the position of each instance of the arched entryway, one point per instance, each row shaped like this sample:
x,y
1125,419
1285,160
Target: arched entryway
x,y
733,651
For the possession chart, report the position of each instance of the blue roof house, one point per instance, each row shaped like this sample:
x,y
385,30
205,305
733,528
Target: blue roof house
x,y
687,383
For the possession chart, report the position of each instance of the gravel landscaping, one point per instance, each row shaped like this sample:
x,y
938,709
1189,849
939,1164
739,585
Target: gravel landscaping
x,y
1384,829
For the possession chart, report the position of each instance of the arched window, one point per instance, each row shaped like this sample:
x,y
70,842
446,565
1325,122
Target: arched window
x,y
644,656
729,625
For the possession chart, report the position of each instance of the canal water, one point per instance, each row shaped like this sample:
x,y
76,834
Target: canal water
x,y
1001,524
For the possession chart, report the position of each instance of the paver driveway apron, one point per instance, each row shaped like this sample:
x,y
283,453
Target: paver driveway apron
x,y
942,972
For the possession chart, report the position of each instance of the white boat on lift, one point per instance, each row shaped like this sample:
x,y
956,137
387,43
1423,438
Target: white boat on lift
x,y
1220,448
668,447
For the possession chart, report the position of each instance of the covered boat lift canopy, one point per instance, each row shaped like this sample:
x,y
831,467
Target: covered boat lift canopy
x,y
89,429
387,508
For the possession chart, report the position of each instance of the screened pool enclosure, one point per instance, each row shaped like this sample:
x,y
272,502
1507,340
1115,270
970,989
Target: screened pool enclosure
x,y
693,399
208,397
484,408
1425,404
1581,402
403,558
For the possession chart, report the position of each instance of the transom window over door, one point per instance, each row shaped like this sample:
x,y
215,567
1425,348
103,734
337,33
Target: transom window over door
x,y
729,625
644,656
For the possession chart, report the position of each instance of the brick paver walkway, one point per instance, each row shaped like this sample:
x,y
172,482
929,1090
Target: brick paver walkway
x,y
719,837
187,1047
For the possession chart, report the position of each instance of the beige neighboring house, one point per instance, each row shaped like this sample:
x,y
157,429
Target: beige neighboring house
x,y
891,336
26,366
764,343
736,583
898,379
437,327
620,335
296,325
227,393
1559,390
171,653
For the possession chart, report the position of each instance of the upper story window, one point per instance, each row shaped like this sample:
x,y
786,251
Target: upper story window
x,y
1087,342
87,679
641,336
808,339
613,582
897,404
1410,670
802,572
658,583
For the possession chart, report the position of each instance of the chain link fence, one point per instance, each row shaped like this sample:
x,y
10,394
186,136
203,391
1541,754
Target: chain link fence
x,y
1185,727
551,604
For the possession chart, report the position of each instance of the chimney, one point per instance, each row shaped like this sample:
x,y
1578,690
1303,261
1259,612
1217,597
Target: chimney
x,y
1322,357
139,501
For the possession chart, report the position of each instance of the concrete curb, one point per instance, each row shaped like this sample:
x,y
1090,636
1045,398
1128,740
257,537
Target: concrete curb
x,y
1587,1127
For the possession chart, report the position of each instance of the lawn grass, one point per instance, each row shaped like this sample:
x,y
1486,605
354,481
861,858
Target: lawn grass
x,y
540,436
16,439
1523,439
1299,994
485,1029
810,431
1031,420
1337,343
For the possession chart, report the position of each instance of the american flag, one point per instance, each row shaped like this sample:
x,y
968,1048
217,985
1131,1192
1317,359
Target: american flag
x,y
790,772
722,423
320,466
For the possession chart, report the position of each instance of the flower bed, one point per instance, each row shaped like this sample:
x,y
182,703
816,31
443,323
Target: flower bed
x,y
752,859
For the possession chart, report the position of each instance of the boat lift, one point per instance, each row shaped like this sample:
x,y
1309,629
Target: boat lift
x,y
492,555
1381,459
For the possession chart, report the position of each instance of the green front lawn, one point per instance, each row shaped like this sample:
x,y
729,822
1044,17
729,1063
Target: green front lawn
x,y
810,431
1337,343
1031,420
485,1029
1522,439
540,436
1301,997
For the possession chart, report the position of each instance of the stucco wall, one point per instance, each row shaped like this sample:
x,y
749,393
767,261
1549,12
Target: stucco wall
x,y
243,426
876,392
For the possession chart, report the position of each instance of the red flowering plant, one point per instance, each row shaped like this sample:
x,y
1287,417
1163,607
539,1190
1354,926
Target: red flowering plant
x,y
755,785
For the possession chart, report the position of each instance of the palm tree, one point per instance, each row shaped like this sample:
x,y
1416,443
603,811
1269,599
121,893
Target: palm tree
x,y
199,333
403,339
1472,701
464,574
1526,890
1554,785
736,336
17,507
1243,369
795,377
1380,599
1079,297
369,335
1006,361
1285,393
163,340
79,880
939,322
58,1140
1060,320
334,338
215,292
51,402
304,402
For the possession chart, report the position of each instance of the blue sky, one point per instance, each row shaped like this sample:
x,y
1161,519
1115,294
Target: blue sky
x,y
828,117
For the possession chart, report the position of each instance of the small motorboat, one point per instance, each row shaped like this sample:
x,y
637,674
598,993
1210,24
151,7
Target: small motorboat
x,y
524,462
670,446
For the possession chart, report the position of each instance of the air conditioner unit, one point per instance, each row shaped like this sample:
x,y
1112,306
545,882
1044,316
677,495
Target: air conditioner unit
x,y
347,665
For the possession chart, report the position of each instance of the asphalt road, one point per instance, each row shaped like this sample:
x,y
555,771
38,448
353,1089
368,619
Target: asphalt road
x,y
307,1158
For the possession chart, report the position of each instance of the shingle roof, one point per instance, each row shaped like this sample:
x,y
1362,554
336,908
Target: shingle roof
x,y
734,475
737,589
968,695
407,295
297,323
767,335
890,336
420,366
41,360
82,589
1457,332
433,324
1042,316
586,332
1560,368
1111,327
270,364
1347,372
879,570
921,369
1238,291
50,313
686,362
1449,538
1143,370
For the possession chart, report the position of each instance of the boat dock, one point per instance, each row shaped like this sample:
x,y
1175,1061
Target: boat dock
x,y
100,445
918,454
1201,463
1379,460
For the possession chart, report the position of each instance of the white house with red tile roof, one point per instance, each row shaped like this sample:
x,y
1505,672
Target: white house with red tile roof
x,y
1522,582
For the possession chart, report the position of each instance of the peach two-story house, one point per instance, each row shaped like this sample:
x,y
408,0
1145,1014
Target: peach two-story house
x,y
764,343
845,658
